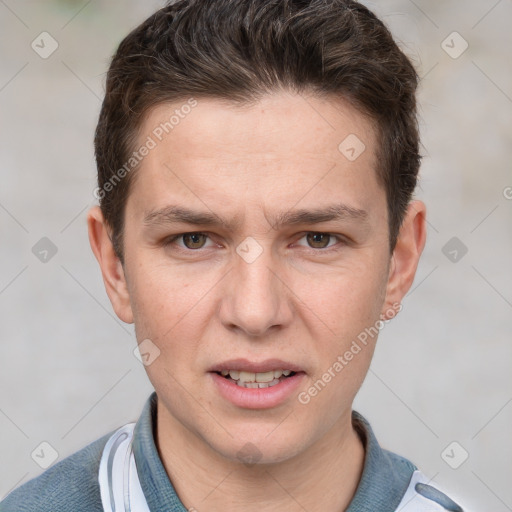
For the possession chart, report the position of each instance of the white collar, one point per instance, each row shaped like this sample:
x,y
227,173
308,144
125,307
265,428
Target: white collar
x,y
119,482
121,490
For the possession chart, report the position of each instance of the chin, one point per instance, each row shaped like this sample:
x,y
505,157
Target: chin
x,y
253,450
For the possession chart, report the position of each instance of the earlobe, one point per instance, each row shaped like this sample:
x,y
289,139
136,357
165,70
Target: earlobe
x,y
406,255
111,268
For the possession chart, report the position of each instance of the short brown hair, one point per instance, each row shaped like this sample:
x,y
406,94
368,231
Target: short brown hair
x,y
238,50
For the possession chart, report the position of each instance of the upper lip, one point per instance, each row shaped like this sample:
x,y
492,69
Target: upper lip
x,y
242,364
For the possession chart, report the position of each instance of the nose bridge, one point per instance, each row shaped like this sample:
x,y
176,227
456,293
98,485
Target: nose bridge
x,y
257,299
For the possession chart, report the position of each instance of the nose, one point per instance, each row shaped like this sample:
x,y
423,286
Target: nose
x,y
256,297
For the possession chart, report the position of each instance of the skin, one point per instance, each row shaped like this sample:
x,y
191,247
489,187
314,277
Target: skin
x,y
302,300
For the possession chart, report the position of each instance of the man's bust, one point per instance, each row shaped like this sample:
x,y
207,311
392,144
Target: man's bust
x,y
256,168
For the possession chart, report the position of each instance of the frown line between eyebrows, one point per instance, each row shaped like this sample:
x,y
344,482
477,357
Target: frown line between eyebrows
x,y
174,214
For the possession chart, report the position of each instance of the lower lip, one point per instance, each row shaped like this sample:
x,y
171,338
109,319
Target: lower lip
x,y
257,398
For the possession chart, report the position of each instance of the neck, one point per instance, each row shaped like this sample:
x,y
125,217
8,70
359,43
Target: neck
x,y
322,477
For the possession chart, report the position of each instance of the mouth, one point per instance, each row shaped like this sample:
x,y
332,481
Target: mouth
x,y
257,385
246,379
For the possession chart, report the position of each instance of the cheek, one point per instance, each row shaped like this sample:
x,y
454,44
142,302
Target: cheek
x,y
344,300
345,308
169,307
348,309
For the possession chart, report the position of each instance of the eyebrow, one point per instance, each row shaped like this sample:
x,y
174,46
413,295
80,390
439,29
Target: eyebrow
x,y
173,214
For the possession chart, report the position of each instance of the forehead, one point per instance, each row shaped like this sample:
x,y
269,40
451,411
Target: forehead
x,y
283,149
307,123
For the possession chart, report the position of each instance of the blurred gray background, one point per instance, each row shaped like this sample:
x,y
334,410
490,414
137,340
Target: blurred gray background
x,y
440,388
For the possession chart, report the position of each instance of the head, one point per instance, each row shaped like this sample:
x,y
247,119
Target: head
x,y
284,135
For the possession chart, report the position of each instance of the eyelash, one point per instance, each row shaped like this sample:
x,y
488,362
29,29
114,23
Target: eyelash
x,y
341,240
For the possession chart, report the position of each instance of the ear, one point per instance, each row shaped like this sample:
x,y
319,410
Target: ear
x,y
404,261
111,267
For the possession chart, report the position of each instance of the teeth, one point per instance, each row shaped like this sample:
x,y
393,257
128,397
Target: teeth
x,y
246,376
247,384
256,378
257,384
265,377
234,374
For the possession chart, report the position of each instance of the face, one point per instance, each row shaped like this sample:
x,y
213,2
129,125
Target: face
x,y
254,243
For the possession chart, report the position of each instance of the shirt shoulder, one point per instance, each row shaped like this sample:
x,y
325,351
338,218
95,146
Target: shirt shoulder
x,y
71,484
425,496
392,482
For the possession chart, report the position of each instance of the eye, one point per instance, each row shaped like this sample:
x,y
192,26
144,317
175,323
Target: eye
x,y
194,240
318,240
197,240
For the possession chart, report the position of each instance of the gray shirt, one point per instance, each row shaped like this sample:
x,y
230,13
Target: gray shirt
x,y
73,485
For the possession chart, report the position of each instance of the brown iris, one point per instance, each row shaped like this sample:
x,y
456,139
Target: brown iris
x,y
318,240
197,240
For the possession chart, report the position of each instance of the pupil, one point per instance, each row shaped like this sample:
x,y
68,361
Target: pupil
x,y
195,239
315,238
